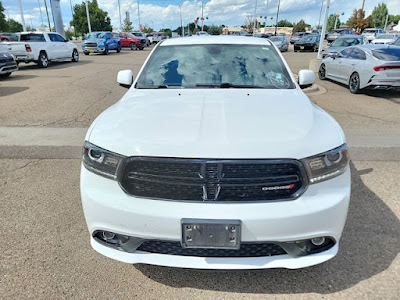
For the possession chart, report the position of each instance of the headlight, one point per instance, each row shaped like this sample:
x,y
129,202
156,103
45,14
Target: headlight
x,y
101,161
327,165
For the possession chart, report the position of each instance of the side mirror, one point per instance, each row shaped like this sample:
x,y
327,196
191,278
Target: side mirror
x,y
306,78
125,78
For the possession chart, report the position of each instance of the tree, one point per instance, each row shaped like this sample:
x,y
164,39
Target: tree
x,y
378,16
331,22
167,31
284,23
127,26
215,30
300,26
147,29
357,20
14,26
99,19
394,19
3,21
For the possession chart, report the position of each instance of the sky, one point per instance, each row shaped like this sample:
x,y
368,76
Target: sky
x,y
166,13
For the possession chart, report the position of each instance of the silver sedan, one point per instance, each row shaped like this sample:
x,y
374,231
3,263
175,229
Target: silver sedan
x,y
280,42
364,66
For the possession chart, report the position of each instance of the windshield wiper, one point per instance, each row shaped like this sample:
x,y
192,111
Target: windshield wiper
x,y
227,85
161,86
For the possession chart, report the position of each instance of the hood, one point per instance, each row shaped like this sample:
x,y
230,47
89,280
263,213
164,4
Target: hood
x,y
334,49
215,123
278,43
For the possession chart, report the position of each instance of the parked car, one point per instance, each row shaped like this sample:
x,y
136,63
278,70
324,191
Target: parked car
x,y
365,66
42,48
131,41
182,173
371,33
156,37
344,41
9,36
202,33
261,35
308,42
142,35
280,42
7,64
296,36
396,42
385,38
334,34
101,42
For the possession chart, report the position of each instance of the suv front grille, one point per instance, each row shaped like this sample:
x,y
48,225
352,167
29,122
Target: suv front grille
x,y
246,249
91,44
212,180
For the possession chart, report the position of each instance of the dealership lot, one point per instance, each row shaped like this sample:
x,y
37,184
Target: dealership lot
x,y
44,114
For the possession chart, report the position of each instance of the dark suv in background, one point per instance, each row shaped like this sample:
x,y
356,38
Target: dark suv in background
x,y
334,34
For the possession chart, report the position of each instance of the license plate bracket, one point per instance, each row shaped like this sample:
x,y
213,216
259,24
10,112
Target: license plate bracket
x,y
212,234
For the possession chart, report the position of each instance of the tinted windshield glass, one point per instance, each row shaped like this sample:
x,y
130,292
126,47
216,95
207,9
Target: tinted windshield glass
x,y
346,42
385,36
308,39
369,31
388,54
276,38
33,37
97,35
213,66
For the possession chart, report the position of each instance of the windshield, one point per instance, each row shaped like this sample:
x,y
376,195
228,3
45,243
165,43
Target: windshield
x,y
346,42
369,31
385,36
215,66
308,39
276,38
130,35
387,54
137,33
97,35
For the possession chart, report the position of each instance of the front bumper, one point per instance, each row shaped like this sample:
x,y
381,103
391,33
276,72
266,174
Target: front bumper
x,y
304,47
98,49
320,211
8,67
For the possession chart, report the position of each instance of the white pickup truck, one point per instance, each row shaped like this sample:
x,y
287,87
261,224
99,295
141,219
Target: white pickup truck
x,y
41,48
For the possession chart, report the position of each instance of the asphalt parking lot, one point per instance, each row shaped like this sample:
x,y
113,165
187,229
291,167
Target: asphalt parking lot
x,y
44,114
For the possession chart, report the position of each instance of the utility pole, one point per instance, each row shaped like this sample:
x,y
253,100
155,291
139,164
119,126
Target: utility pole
x,y
255,17
22,15
277,17
138,13
40,10
336,17
119,10
88,17
362,7
47,13
320,13
387,19
182,29
321,41
202,16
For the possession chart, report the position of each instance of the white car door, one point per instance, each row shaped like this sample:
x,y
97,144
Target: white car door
x,y
355,63
340,63
65,49
55,51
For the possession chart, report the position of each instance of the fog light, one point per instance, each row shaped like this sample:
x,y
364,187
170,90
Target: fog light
x,y
318,241
108,235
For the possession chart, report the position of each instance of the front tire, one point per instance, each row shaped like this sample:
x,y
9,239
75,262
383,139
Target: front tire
x,y
118,48
132,46
43,61
354,83
75,56
105,52
5,75
86,53
322,72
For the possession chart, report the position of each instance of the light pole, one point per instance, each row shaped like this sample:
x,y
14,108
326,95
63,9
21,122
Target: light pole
x,y
321,40
255,17
22,15
138,13
119,10
320,13
182,29
88,17
47,13
277,17
40,10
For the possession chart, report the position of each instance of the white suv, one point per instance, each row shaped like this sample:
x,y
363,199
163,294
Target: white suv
x,y
216,159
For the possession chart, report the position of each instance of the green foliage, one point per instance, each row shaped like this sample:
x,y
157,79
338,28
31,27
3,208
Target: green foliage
x,y
357,20
331,23
30,28
167,31
394,19
69,34
378,16
14,26
127,25
284,23
99,19
300,26
147,29
3,21
214,30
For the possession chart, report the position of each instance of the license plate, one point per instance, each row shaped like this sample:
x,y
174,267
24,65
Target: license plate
x,y
91,51
216,234
302,47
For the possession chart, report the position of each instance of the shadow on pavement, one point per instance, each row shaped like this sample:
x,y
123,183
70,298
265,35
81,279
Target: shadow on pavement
x,y
8,90
370,243
17,76
53,65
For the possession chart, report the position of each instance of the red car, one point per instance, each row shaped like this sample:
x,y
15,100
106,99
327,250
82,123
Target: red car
x,y
131,41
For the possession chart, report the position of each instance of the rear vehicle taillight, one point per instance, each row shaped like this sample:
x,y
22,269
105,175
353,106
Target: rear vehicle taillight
x,y
384,68
28,48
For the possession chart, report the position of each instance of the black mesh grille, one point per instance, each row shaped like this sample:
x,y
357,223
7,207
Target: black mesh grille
x,y
246,250
212,180
91,44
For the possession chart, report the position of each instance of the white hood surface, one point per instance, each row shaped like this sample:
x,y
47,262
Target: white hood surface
x,y
216,123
